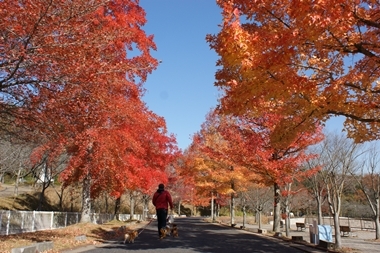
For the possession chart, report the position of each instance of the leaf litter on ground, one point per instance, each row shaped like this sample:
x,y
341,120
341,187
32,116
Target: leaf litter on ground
x,y
66,238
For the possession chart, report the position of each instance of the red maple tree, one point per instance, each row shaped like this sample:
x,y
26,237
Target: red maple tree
x,y
236,151
73,74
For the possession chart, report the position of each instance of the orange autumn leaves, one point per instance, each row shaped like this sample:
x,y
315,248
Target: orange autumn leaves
x,y
230,154
304,60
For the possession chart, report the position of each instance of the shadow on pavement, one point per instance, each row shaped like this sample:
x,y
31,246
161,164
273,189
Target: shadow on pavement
x,y
198,236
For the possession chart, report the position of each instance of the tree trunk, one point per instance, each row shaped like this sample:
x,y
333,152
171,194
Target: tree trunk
x,y
86,200
287,211
212,208
244,216
338,238
117,207
319,208
71,203
260,218
43,183
232,201
106,203
276,209
60,196
145,207
42,196
377,226
132,205
287,221
17,182
232,209
377,217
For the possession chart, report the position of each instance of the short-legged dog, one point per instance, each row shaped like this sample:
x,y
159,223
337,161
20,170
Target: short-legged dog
x,y
163,232
131,236
174,230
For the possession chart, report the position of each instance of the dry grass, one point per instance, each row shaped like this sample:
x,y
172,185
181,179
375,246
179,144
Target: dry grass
x,y
28,198
65,238
238,219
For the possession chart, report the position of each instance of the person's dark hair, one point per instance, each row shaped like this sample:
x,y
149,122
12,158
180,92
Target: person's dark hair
x,y
161,188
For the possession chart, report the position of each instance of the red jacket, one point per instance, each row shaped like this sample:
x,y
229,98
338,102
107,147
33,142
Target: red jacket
x,y
162,199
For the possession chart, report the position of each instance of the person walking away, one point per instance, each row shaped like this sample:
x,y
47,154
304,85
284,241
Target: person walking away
x,y
162,200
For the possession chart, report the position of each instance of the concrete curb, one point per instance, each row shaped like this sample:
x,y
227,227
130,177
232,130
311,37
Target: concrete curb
x,y
35,248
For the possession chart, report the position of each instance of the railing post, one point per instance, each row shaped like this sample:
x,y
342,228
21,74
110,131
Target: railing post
x,y
361,223
22,220
8,221
52,220
33,220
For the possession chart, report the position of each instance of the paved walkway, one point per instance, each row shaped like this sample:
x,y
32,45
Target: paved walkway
x,y
196,235
359,240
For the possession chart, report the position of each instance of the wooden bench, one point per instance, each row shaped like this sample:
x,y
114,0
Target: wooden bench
x,y
345,230
300,225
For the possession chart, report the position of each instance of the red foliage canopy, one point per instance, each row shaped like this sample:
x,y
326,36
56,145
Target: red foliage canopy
x,y
245,142
74,70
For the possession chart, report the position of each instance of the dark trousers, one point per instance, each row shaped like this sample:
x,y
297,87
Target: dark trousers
x,y
161,219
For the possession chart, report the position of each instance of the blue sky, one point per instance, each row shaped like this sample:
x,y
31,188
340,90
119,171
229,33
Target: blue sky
x,y
182,88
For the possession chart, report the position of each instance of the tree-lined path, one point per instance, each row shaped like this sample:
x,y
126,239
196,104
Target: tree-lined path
x,y
196,235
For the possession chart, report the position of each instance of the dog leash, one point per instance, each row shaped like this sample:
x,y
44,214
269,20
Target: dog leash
x,y
145,226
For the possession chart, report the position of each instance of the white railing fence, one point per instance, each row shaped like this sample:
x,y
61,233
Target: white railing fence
x,y
16,222
354,223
